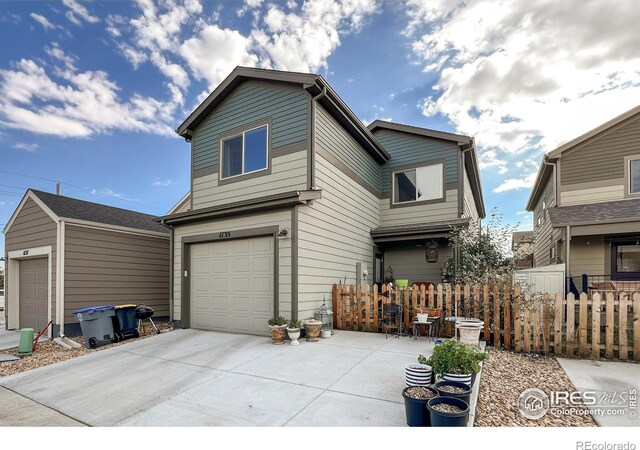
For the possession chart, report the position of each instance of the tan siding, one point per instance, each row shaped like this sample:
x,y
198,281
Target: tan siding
x,y
602,158
421,213
544,235
587,255
107,267
334,235
408,262
289,173
281,218
469,208
593,195
32,228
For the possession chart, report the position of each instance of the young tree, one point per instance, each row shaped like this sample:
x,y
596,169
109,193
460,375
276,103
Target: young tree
x,y
484,252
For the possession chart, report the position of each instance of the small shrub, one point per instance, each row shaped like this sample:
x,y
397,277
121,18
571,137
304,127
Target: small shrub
x,y
294,324
454,357
277,321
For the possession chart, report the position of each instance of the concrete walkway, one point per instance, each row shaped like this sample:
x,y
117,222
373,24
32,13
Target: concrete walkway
x,y
607,379
199,378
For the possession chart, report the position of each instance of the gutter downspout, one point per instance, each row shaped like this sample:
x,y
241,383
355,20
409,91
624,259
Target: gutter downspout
x,y
312,150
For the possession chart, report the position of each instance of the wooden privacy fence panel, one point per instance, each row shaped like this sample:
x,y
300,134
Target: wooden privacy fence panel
x,y
605,325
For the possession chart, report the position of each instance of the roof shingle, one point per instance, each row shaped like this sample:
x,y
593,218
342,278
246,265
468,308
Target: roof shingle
x,y
596,213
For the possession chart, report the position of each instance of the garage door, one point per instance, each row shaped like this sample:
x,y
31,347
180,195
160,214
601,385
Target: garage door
x,y
232,286
33,293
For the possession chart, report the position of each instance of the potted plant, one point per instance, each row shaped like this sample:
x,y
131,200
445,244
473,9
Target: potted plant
x,y
448,412
454,361
455,389
278,326
417,374
422,314
415,405
312,327
293,330
469,330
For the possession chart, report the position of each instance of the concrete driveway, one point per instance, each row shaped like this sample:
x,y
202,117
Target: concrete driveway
x,y
202,378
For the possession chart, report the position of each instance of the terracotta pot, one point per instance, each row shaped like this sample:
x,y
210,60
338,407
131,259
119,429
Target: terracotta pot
x,y
277,334
313,328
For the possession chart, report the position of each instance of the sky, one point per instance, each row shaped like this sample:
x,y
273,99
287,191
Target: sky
x,y
91,92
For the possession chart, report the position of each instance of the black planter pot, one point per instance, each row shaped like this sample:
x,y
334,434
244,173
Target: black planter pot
x,y
441,419
416,409
466,395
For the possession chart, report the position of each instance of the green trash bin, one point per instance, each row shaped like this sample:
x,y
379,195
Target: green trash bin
x,y
26,342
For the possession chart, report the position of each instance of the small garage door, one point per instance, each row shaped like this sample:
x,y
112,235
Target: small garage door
x,y
33,293
232,285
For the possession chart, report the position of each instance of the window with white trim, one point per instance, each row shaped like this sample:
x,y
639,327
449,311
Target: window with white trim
x,y
418,184
634,176
245,153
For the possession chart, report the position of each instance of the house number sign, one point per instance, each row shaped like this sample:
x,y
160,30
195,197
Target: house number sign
x,y
225,234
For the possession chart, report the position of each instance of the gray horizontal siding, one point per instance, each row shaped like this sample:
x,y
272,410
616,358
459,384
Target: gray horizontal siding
x,y
333,138
603,158
333,236
248,103
32,228
406,149
420,213
107,267
544,235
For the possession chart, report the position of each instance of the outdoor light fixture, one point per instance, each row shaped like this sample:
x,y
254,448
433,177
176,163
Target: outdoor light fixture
x,y
283,234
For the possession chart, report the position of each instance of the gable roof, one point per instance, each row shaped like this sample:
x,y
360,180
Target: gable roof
x,y
546,170
465,143
314,84
59,207
521,237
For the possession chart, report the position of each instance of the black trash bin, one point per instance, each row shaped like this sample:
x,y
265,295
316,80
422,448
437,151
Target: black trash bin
x,y
125,324
96,325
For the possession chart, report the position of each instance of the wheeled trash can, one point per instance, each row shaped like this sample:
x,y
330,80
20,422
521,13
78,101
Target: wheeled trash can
x,y
97,325
125,324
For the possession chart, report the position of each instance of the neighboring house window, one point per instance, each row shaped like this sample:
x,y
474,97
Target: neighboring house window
x,y
625,260
552,252
634,176
418,184
245,153
544,209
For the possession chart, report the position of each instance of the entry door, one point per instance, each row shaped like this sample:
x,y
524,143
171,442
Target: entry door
x,y
33,291
232,285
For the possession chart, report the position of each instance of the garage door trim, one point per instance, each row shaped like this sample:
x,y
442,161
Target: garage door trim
x,y
13,299
224,235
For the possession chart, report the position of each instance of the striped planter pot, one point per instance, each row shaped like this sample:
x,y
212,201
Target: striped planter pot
x,y
466,379
417,374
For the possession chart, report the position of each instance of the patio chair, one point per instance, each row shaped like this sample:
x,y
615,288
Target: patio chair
x,y
391,318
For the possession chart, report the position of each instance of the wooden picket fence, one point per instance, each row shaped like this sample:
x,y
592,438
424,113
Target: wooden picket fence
x,y
602,325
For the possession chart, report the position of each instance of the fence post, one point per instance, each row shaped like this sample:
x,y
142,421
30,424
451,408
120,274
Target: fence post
x,y
440,299
583,324
636,326
352,308
406,309
367,308
359,306
507,319
557,323
476,301
517,322
432,297
536,328
623,336
609,327
527,325
546,328
466,299
375,308
496,316
571,324
595,325
487,310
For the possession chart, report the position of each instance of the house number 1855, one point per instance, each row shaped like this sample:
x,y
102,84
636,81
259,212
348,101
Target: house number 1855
x,y
225,234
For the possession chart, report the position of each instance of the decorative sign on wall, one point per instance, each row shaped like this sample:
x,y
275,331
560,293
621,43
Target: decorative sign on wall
x,y
431,254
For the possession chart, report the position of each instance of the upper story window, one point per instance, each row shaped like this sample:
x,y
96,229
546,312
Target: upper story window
x,y
634,175
245,153
418,184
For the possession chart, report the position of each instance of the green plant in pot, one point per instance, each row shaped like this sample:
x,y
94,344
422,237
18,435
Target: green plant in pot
x,y
278,326
455,361
293,330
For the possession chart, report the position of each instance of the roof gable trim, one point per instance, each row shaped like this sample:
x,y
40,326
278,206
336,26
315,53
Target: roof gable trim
x,y
29,195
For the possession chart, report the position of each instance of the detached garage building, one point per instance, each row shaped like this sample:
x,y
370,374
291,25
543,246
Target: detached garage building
x,y
64,254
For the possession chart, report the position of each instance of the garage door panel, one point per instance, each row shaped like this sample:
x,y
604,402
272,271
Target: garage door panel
x,y
241,294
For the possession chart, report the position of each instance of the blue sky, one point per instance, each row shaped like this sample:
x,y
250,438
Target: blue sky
x,y
90,92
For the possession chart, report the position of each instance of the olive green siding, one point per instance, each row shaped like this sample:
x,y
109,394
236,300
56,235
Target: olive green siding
x,y
32,228
588,255
108,267
406,149
333,138
408,262
252,101
601,158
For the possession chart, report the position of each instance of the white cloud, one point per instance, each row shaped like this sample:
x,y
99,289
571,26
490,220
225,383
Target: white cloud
x,y
163,183
527,76
57,53
366,122
42,20
77,11
111,193
511,184
71,103
31,148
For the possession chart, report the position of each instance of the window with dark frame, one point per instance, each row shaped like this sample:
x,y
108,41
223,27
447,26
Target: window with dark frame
x,y
418,184
634,176
625,260
245,153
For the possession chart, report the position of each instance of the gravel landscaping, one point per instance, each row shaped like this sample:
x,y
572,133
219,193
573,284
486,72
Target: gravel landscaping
x,y
505,375
50,353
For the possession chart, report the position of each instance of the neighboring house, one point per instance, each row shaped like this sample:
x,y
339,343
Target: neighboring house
x,y
586,206
64,254
292,193
522,249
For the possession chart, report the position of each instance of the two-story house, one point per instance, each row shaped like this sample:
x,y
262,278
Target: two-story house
x,y
586,207
291,193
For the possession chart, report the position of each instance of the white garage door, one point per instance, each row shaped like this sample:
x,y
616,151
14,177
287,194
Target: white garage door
x,y
232,286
